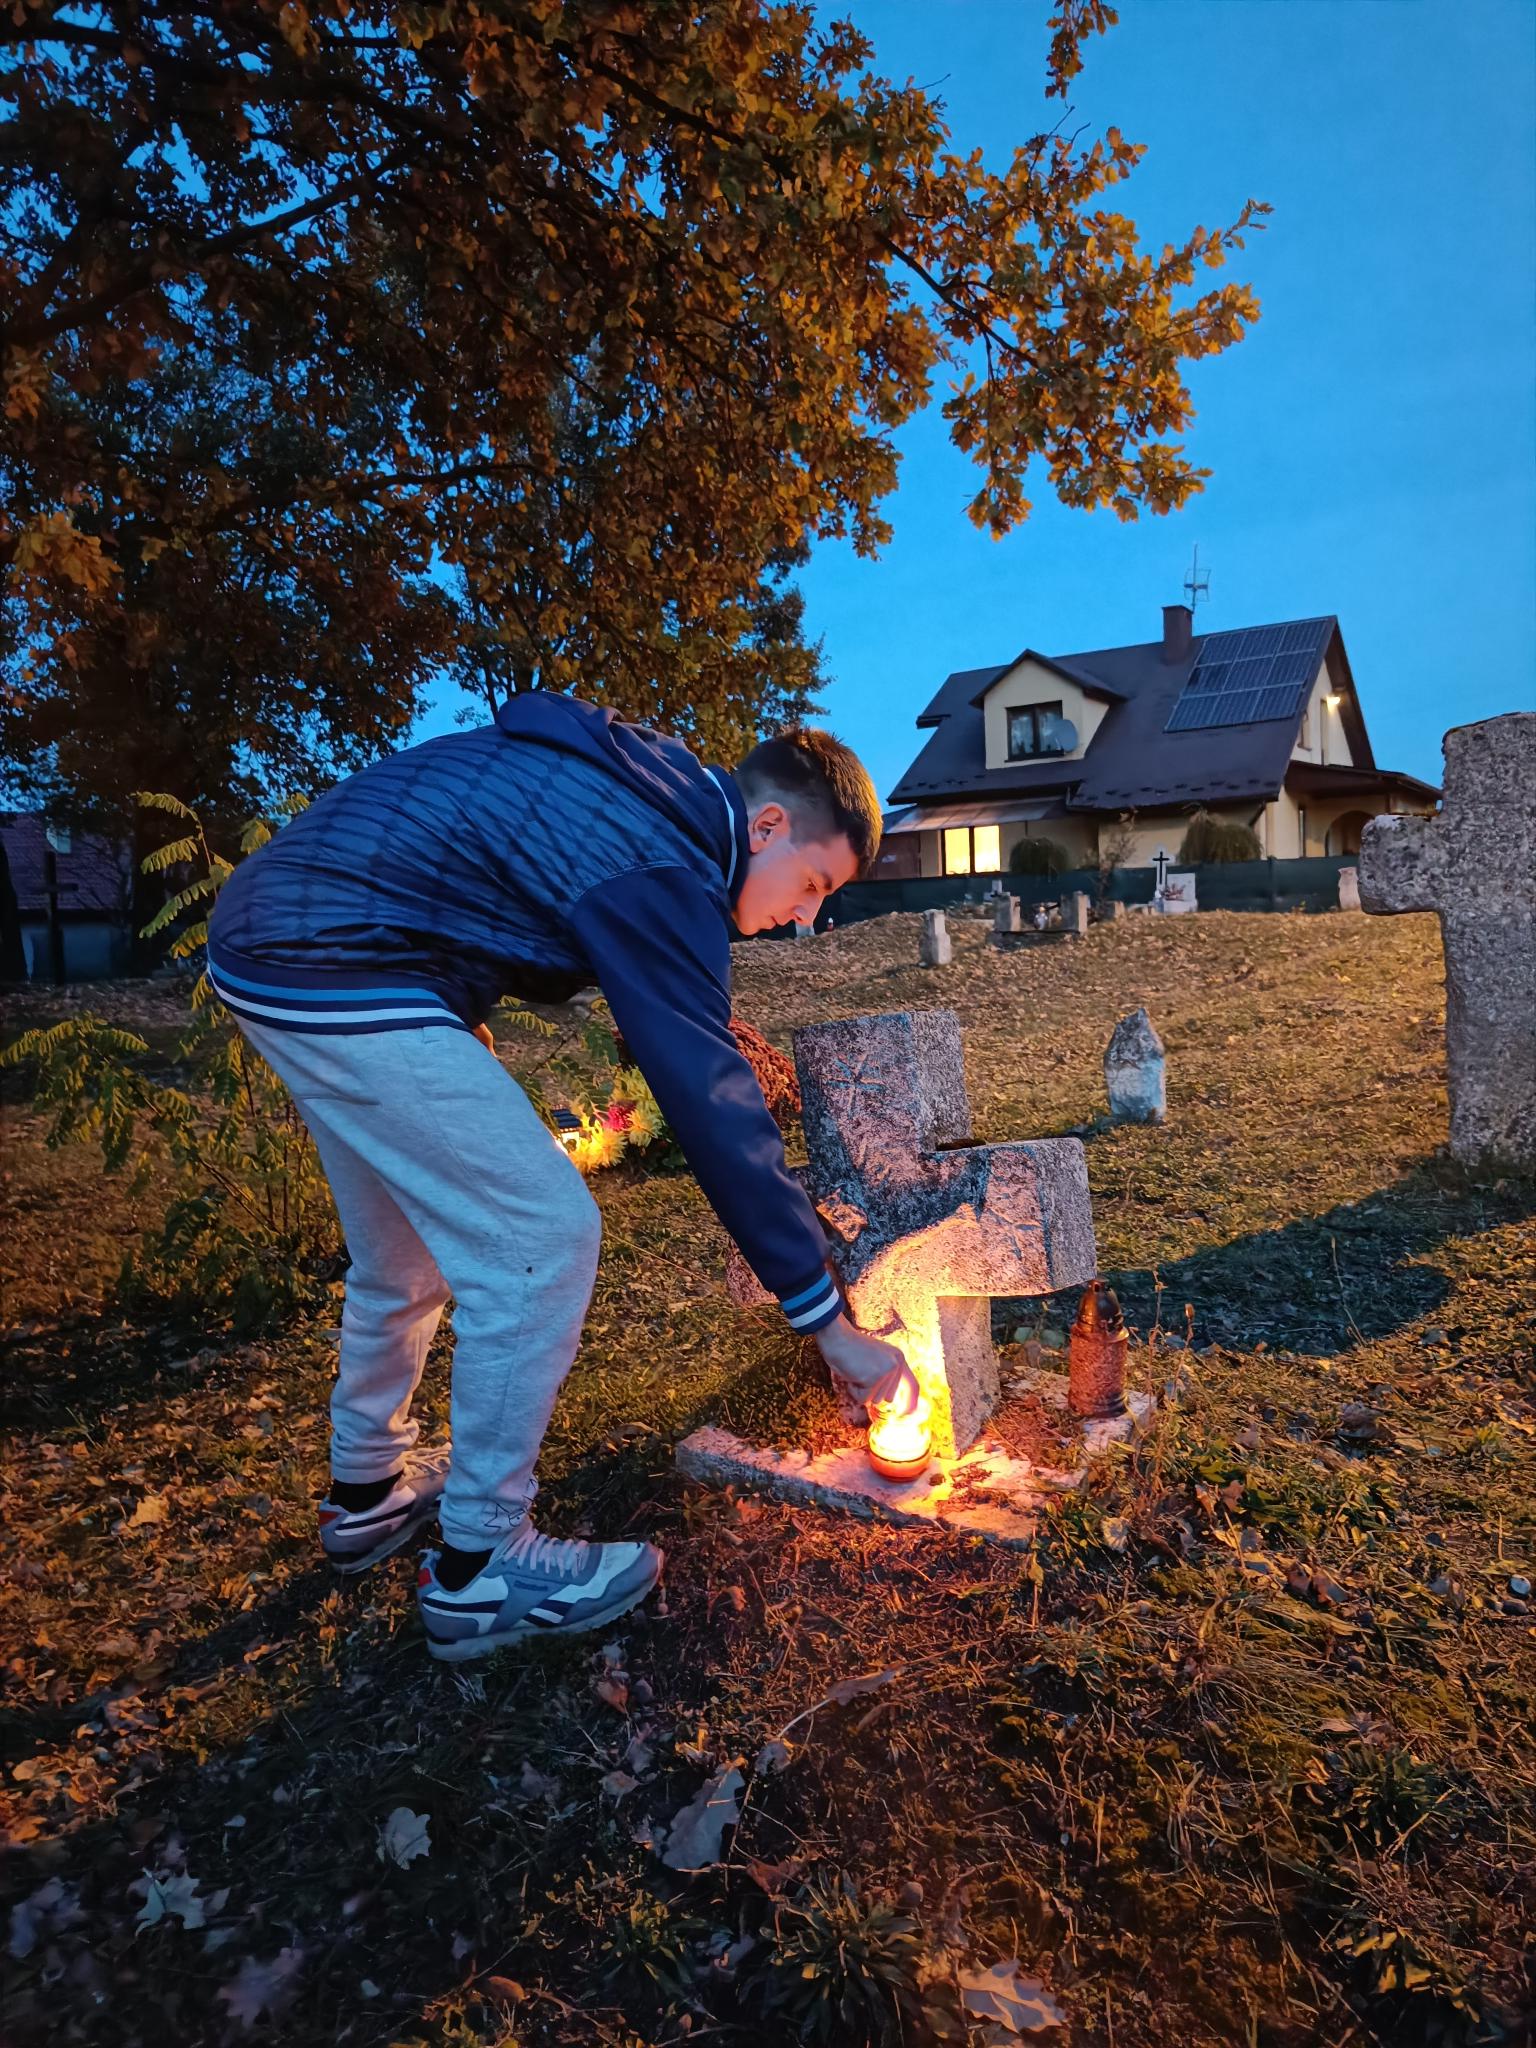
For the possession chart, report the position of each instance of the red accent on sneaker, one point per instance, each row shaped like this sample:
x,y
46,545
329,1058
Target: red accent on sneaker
x,y
329,1515
424,1576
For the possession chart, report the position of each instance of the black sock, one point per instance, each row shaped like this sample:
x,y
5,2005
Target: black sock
x,y
357,1496
455,1568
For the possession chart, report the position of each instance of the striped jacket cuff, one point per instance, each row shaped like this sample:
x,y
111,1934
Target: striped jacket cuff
x,y
813,1307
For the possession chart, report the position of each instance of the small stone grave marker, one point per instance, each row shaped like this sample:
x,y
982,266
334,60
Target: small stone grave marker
x,y
934,947
1135,1072
1006,916
1349,888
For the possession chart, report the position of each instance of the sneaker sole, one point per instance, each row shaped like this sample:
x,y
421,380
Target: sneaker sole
x,y
348,1567
470,1647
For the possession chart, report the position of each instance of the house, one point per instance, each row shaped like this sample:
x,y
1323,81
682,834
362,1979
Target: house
x,y
1261,726
72,894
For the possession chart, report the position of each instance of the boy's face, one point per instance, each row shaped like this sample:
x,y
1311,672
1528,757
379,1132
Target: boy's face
x,y
787,881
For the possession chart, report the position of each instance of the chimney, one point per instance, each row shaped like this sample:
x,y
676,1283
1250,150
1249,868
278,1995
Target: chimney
x,y
1178,620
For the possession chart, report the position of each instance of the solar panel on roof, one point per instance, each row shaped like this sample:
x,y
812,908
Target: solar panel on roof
x,y
1251,675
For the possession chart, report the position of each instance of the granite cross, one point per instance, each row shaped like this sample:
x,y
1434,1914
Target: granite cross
x,y
926,1226
1473,865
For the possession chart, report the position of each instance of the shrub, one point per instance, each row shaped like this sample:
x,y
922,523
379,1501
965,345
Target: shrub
x,y
1213,839
1039,857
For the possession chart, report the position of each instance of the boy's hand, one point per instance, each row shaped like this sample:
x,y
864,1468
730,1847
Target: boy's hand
x,y
876,1371
483,1033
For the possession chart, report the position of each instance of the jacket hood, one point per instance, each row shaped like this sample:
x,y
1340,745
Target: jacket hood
x,y
703,802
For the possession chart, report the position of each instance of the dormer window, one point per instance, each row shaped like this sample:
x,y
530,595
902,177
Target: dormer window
x,y
1036,729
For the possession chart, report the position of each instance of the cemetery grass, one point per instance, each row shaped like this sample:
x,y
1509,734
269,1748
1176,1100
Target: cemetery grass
x,y
1241,1754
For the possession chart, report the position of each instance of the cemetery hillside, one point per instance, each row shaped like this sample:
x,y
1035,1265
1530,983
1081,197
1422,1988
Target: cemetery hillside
x,y
1237,1749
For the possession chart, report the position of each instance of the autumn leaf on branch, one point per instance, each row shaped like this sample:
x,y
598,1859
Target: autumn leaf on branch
x,y
533,347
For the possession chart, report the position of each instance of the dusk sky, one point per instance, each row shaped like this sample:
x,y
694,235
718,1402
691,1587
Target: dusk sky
x,y
1372,441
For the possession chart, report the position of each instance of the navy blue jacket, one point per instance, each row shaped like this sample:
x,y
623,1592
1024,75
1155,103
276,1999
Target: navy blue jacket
x,y
552,849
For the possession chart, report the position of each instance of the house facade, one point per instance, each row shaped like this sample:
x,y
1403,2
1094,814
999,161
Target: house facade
x,y
1260,726
65,899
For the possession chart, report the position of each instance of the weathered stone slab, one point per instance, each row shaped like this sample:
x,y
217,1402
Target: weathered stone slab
x,y
987,1492
1074,913
1135,1072
1005,918
1178,895
1349,888
928,1226
1473,864
934,947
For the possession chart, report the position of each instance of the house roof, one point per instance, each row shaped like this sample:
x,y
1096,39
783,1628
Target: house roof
x,y
1133,761
92,876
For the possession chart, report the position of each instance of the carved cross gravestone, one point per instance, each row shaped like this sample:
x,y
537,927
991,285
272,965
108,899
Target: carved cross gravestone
x,y
927,1227
1473,865
933,948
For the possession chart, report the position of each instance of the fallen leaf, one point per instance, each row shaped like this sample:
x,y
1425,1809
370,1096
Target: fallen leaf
x,y
613,1691
1116,1531
263,1987
404,1837
535,1785
694,1838
772,1758
618,1784
847,1689
150,1509
174,1896
504,1991
1019,2003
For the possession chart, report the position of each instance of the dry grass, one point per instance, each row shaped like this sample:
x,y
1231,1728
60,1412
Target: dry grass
x,y
1263,1776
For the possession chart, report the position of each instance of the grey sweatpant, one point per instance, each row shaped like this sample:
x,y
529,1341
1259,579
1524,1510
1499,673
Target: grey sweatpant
x,y
446,1181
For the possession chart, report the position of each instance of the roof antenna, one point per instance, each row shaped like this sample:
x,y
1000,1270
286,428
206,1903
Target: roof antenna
x,y
1197,586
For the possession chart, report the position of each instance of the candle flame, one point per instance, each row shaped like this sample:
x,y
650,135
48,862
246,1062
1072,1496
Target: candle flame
x,y
902,1439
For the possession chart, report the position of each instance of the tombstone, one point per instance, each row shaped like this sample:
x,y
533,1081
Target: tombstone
x,y
1006,916
925,1226
1177,895
1112,911
1472,864
1135,1073
1349,888
1074,913
805,931
933,948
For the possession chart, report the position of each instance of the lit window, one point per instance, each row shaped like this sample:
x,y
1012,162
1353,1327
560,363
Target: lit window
x,y
957,850
987,850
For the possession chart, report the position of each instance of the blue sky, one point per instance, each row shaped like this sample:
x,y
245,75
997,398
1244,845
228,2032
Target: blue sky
x,y
1372,441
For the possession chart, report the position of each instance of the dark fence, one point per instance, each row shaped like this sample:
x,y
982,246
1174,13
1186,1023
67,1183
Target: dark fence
x,y
1219,885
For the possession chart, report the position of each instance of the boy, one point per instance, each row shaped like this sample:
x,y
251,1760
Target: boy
x,y
362,950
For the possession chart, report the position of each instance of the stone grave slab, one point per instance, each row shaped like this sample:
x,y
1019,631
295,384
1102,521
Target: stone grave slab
x,y
1473,865
925,1227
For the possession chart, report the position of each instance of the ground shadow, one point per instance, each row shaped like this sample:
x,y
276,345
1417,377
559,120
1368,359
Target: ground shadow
x,y
1320,1284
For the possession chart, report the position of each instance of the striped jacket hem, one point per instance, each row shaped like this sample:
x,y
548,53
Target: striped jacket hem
x,y
331,1001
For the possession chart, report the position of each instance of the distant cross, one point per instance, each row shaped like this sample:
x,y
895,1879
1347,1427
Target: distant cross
x,y
1473,865
1161,861
1197,586
930,1226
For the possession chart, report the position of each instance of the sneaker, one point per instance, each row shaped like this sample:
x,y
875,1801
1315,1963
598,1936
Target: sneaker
x,y
533,1585
354,1539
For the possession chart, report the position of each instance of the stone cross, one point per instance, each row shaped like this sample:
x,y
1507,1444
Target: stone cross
x,y
1135,1072
1473,865
925,1226
933,948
